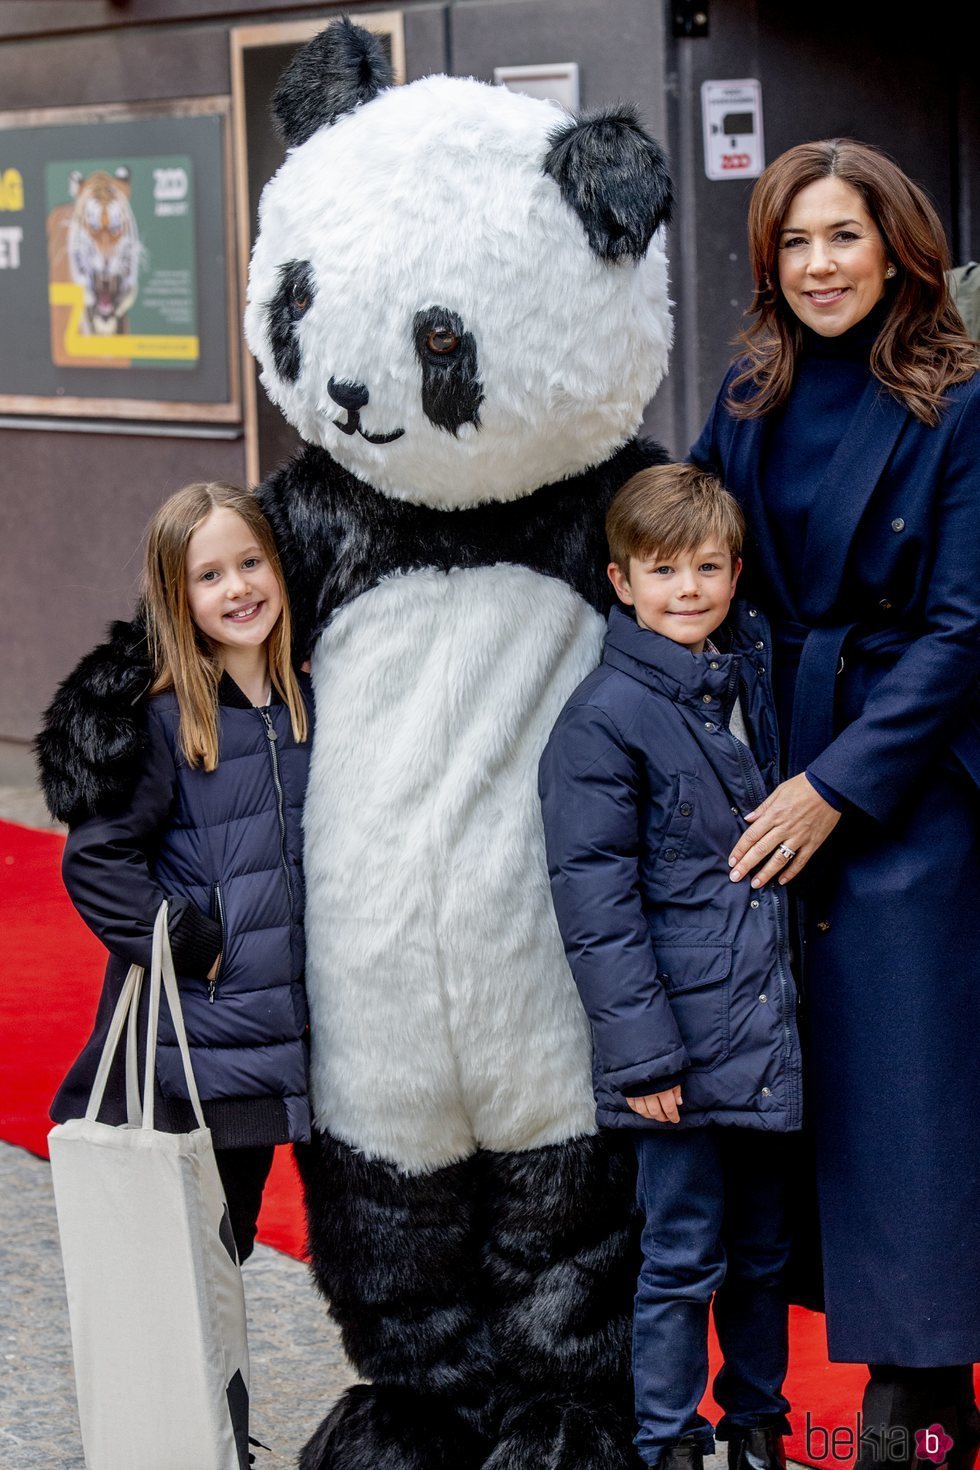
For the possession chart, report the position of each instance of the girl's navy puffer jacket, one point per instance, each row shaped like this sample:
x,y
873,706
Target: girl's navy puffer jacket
x,y
225,848
684,974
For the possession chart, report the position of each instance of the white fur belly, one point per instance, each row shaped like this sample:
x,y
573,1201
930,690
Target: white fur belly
x,y
443,1014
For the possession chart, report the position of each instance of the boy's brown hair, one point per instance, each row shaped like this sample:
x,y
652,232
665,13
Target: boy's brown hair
x,y
671,508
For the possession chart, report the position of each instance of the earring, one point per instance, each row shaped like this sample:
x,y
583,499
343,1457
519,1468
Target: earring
x,y
890,272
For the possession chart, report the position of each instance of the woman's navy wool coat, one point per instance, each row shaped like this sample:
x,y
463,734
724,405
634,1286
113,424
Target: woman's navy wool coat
x,y
876,621
225,848
685,975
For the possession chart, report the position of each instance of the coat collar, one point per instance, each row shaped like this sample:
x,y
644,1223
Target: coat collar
x,y
670,668
232,697
847,486
851,477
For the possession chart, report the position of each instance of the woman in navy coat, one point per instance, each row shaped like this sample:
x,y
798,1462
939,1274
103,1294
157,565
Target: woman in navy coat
x,y
849,429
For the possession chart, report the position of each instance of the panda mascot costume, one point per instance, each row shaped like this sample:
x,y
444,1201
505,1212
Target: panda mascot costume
x,y
458,297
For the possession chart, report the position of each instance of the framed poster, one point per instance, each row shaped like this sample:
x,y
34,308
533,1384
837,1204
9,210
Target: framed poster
x,y
117,278
259,56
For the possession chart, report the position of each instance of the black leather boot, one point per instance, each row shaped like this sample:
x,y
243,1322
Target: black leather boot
x,y
966,1438
684,1454
900,1402
756,1449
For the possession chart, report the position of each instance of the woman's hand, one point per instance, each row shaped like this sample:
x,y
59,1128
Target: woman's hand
x,y
796,816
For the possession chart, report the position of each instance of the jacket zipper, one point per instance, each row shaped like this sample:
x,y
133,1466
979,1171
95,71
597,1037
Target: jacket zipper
x,y
280,798
776,896
218,908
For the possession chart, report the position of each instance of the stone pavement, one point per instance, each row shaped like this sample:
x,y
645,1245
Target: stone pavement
x,y
298,1365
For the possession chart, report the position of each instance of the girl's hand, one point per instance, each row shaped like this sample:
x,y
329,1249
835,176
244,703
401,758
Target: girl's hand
x,y
661,1107
796,816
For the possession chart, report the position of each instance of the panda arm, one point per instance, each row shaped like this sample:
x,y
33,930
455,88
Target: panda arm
x,y
91,745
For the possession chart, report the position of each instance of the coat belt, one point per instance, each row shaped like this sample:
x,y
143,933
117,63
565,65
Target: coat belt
x,y
822,656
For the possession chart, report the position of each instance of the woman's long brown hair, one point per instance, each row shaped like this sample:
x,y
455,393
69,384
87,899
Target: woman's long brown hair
x,y
182,657
922,348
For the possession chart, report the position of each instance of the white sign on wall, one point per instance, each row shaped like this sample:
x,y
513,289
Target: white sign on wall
x,y
555,81
732,116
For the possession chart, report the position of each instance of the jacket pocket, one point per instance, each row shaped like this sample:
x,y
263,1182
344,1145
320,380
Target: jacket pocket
x,y
696,979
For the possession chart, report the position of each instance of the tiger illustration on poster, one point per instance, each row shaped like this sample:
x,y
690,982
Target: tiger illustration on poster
x,y
93,244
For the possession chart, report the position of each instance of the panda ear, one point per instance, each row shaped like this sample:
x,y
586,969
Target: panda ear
x,y
341,68
615,177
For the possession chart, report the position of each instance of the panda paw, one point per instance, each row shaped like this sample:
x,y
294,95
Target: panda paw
x,y
374,1425
563,1434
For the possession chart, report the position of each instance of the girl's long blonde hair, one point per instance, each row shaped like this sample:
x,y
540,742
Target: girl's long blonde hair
x,y
182,658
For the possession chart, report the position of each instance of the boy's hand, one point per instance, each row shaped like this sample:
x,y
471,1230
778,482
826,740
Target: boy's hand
x,y
660,1107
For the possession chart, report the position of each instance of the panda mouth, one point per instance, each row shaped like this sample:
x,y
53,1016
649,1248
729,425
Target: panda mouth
x,y
352,425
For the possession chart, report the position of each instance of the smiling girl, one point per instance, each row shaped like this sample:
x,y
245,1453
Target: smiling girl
x,y
213,826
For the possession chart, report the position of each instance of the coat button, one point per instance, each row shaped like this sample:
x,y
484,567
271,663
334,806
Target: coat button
x,y
885,605
753,612
766,1092
708,725
754,903
763,999
760,644
685,808
670,855
898,524
823,926
706,699
714,664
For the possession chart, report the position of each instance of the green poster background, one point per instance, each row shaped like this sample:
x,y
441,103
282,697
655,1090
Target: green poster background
x,y
34,376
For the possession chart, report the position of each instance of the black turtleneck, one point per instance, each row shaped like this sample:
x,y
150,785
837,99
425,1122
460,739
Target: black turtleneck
x,y
831,375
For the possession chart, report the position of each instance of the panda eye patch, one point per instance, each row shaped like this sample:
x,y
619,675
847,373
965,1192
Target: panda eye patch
x,y
451,388
442,341
292,300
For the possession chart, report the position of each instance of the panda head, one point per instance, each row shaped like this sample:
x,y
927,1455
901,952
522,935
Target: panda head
x,y
458,291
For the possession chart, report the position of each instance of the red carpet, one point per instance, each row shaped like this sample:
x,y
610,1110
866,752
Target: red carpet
x,y
51,969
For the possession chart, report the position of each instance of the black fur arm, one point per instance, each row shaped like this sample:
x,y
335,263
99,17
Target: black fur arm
x,y
92,742
299,501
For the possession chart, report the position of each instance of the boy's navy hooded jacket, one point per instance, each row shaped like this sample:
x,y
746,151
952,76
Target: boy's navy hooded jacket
x,y
225,848
684,974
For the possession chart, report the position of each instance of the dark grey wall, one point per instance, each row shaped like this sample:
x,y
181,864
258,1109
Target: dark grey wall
x,y
73,508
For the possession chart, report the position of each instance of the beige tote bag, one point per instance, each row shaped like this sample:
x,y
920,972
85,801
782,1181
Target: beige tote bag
x,y
154,1286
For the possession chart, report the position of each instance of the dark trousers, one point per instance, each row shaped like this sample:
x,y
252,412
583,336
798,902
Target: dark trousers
x,y
243,1173
714,1201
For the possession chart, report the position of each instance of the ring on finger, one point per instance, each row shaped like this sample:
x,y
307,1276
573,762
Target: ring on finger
x,y
787,852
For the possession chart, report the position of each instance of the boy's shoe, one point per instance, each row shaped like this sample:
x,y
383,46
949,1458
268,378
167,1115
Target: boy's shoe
x,y
684,1454
756,1449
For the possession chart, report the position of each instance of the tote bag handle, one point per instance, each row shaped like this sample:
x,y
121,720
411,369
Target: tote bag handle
x,y
125,1015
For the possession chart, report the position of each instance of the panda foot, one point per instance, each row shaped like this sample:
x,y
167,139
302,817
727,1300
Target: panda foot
x,y
561,1434
376,1427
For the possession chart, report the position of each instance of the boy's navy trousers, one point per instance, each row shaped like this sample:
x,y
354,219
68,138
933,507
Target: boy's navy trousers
x,y
714,1201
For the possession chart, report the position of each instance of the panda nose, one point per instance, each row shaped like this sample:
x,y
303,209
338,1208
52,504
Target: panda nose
x,y
352,396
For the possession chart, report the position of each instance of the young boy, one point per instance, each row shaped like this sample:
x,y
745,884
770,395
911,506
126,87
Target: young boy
x,y
645,784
